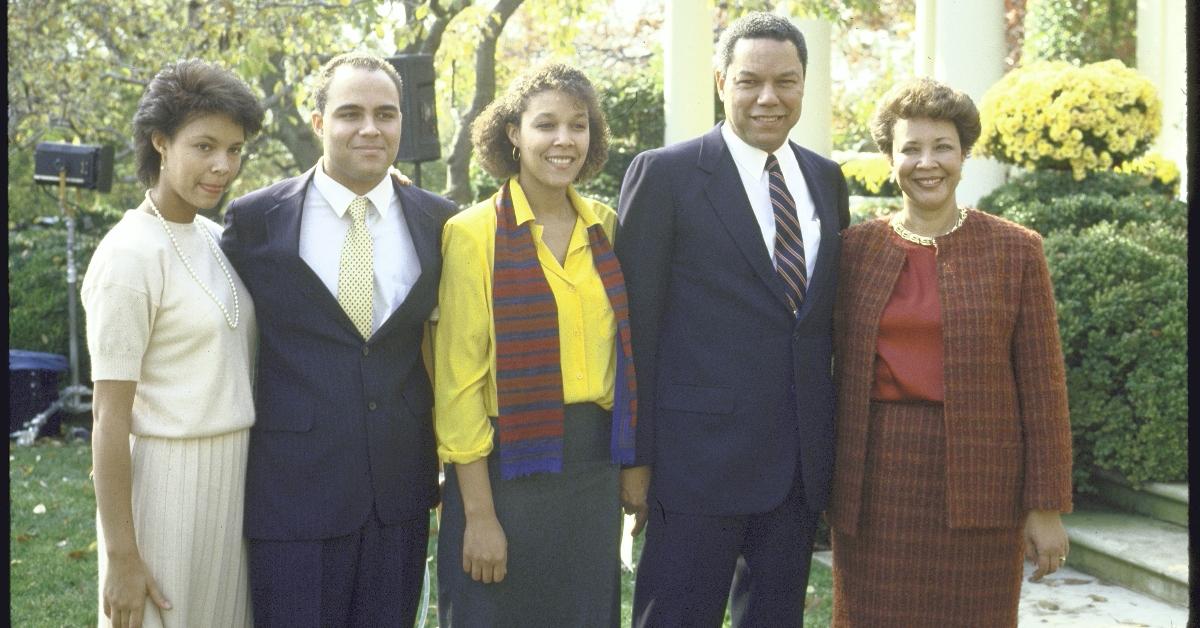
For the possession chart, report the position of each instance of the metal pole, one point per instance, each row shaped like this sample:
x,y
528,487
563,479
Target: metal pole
x,y
72,397
72,298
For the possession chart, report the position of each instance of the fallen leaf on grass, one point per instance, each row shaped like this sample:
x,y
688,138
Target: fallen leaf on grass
x,y
62,543
40,509
15,561
76,554
92,546
21,538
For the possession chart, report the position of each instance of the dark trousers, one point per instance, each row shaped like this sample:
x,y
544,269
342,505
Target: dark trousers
x,y
370,578
691,564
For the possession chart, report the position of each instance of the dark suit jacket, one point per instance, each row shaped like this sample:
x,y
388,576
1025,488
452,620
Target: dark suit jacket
x,y
732,388
341,424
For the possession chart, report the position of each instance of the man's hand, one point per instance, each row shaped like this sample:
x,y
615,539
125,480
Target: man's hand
x,y
635,485
1046,543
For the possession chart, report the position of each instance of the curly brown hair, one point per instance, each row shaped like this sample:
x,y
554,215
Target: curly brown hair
x,y
489,134
924,98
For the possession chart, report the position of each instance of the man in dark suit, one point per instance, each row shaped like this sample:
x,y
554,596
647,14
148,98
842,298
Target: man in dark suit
x,y
729,243
343,265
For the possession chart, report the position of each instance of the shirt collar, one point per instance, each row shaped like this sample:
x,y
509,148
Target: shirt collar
x,y
750,158
339,196
522,212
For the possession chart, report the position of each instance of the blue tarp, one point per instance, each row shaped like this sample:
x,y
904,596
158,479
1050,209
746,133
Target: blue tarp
x,y
19,360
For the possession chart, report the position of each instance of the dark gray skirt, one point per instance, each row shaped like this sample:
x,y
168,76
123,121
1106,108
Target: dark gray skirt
x,y
563,532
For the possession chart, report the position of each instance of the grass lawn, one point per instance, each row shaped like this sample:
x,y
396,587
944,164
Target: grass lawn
x,y
52,535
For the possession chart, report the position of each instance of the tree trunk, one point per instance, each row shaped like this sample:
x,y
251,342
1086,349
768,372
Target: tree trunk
x,y
292,128
458,164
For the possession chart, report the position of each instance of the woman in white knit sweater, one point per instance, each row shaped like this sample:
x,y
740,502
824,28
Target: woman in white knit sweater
x,y
171,332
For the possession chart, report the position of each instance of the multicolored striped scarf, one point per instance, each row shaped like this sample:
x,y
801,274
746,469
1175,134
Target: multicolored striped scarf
x,y
529,385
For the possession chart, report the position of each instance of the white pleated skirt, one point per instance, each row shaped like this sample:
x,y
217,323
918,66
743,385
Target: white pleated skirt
x,y
188,500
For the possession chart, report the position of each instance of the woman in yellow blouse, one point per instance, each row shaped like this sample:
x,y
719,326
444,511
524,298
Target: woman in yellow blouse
x,y
535,392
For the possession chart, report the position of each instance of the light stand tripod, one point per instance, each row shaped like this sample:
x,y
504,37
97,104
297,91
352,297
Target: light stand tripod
x,y
75,398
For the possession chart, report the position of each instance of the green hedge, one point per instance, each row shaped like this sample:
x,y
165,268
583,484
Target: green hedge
x,y
1117,252
1050,200
37,284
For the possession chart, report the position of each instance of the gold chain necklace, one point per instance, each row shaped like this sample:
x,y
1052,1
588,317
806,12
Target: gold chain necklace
x,y
212,245
903,232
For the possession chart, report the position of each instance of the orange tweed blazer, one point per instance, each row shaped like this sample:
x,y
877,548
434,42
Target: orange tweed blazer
x,y
1008,438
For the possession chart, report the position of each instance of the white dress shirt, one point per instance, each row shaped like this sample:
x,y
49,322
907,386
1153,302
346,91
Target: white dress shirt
x,y
751,164
326,222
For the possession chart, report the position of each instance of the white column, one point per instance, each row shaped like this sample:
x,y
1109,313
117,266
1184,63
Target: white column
x,y
1162,58
961,43
688,86
814,131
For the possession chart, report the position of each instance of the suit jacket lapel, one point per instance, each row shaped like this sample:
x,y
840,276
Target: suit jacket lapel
x,y
727,196
826,210
422,228
283,237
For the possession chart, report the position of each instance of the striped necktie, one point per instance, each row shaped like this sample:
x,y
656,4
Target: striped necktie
x,y
356,274
789,245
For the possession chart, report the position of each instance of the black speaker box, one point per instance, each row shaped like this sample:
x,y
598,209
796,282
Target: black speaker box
x,y
86,166
418,129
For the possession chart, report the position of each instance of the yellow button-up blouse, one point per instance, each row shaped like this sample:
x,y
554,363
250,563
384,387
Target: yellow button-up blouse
x,y
465,335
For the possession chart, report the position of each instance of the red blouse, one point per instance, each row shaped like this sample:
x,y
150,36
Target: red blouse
x,y
908,354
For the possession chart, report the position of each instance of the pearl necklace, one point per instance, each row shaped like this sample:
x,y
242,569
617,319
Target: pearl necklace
x,y
903,232
212,244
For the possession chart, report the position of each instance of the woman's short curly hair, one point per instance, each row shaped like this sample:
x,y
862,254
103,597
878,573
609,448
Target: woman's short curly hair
x,y
176,95
924,98
489,131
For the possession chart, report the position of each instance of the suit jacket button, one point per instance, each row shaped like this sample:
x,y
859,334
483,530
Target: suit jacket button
x,y
366,350
371,405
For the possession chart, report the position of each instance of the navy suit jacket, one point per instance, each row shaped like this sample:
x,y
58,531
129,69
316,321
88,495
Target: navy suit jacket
x,y
342,424
733,390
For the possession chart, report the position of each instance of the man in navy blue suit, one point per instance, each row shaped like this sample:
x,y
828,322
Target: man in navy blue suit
x,y
343,265
729,243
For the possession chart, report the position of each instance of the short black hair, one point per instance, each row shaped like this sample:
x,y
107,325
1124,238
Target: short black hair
x,y
361,60
180,92
758,25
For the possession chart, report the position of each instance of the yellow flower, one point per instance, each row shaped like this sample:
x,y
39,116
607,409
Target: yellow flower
x,y
1044,111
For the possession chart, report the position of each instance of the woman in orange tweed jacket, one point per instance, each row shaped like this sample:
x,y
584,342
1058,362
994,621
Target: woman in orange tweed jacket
x,y
954,448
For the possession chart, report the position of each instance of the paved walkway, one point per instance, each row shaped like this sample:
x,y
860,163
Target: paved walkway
x,y
1073,598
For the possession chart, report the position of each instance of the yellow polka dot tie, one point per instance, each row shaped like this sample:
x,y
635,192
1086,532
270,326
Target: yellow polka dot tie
x,y
356,276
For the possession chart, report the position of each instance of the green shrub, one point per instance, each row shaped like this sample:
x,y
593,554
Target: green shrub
x,y
869,207
1050,200
633,104
1122,307
37,284
1080,31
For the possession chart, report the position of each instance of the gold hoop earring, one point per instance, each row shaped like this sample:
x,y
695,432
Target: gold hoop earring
x,y
516,153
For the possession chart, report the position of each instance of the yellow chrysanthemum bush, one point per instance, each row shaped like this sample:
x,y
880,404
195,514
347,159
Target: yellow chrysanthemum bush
x,y
1161,171
868,174
1057,116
